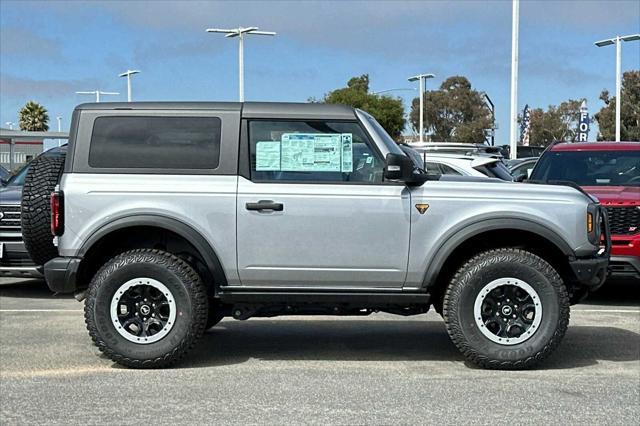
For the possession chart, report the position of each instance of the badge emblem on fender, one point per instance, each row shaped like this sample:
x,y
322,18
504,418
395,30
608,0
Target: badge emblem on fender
x,y
422,208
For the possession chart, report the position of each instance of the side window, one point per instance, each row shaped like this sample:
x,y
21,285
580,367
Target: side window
x,y
134,142
446,170
433,167
314,151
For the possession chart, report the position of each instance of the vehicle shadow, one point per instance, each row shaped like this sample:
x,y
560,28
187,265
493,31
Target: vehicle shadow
x,y
234,342
30,289
616,292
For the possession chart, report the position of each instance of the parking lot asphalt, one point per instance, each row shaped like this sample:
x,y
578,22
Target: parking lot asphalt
x,y
380,369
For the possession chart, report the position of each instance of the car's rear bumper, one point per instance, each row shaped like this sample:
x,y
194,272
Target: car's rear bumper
x,y
61,274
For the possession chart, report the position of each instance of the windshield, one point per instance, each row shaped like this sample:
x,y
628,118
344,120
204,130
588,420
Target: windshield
x,y
17,179
415,156
388,141
496,170
590,168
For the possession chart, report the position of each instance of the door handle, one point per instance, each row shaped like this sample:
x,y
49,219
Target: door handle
x,y
264,205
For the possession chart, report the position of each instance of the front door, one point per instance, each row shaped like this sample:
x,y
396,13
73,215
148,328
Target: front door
x,y
316,212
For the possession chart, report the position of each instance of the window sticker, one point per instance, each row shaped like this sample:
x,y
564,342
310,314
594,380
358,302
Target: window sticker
x,y
317,152
267,156
347,152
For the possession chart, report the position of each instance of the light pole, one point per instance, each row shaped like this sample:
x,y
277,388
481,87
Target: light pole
x,y
617,41
97,93
492,108
394,90
513,137
59,127
128,74
422,78
240,32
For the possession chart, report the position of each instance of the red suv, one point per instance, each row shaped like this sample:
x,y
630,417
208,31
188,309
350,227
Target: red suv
x,y
610,171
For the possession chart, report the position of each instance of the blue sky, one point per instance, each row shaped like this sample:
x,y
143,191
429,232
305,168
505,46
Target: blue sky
x,y
49,50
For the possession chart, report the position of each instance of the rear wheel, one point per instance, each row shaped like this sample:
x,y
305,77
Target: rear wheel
x,y
146,308
506,309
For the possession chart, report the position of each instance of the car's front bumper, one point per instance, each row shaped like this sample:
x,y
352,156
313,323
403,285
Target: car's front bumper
x,y
591,272
625,266
15,261
61,274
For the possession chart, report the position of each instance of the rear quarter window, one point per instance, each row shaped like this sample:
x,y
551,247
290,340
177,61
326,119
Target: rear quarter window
x,y
155,142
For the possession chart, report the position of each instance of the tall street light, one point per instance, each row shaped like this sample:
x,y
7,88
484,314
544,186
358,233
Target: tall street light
x,y
616,40
492,108
422,79
399,89
513,137
59,127
128,74
97,93
240,32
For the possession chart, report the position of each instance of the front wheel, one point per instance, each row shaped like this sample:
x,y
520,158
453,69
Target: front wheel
x,y
146,308
506,309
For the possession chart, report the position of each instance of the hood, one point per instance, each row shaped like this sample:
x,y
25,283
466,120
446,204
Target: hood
x,y
10,195
615,195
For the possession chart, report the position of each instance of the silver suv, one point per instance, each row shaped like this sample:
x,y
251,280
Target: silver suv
x,y
170,216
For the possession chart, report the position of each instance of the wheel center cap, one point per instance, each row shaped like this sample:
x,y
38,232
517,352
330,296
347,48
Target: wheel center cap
x,y
507,310
145,309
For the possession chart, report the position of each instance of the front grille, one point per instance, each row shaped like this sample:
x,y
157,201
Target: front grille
x,y
10,228
624,220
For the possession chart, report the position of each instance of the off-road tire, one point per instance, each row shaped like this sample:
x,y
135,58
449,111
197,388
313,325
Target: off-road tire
x,y
41,179
460,296
179,277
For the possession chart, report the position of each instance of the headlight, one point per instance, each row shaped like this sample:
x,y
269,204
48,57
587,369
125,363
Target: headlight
x,y
593,223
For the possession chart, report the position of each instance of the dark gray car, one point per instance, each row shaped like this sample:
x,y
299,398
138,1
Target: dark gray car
x,y
14,258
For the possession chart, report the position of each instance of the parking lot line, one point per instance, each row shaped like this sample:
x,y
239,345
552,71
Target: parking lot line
x,y
40,310
612,311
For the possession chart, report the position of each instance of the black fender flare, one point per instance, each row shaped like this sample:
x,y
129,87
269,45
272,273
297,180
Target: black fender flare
x,y
211,259
462,234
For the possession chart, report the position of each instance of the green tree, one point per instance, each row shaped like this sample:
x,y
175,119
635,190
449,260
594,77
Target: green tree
x,y
629,111
454,113
387,110
557,123
34,117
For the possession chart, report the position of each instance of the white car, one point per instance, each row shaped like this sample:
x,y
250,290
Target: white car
x,y
466,165
460,164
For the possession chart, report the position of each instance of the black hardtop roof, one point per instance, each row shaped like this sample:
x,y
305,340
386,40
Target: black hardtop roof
x,y
249,109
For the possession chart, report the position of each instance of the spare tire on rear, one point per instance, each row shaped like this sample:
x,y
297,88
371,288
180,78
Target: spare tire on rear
x,y
41,180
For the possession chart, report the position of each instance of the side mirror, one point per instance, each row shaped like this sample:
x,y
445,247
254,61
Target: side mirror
x,y
398,167
401,167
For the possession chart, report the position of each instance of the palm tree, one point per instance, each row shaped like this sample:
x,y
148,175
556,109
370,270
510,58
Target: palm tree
x,y
34,117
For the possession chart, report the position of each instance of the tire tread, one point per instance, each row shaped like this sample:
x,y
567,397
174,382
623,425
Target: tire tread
x,y
189,277
473,267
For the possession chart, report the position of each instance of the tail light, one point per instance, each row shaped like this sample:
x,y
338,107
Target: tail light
x,y
57,213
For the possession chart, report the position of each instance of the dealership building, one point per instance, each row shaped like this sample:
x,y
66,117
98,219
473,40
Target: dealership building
x,y
23,146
